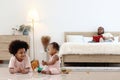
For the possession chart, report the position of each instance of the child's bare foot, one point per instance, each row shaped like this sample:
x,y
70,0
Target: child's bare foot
x,y
46,72
43,72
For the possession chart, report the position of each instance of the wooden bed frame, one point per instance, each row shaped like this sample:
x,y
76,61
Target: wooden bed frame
x,y
96,58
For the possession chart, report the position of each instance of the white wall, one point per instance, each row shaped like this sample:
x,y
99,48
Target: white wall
x,y
59,16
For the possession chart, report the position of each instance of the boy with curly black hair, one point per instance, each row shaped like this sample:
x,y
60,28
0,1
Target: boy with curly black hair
x,y
19,62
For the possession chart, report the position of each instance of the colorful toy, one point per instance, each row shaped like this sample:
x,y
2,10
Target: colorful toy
x,y
35,66
65,71
39,69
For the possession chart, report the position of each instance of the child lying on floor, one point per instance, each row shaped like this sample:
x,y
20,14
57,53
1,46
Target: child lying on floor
x,y
19,62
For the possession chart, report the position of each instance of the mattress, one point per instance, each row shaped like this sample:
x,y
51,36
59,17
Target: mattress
x,y
89,48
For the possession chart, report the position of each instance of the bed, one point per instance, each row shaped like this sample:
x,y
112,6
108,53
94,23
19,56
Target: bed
x,y
76,52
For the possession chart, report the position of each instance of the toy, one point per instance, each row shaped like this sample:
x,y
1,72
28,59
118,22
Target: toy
x,y
39,69
35,66
65,71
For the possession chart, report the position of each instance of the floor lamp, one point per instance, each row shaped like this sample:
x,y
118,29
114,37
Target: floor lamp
x,y
33,25
33,15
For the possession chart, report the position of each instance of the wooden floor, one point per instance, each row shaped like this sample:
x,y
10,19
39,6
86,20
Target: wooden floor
x,y
73,75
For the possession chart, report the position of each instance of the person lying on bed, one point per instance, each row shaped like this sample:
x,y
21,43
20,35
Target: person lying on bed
x,y
102,36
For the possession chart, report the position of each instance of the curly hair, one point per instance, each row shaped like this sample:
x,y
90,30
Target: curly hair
x,y
16,45
55,45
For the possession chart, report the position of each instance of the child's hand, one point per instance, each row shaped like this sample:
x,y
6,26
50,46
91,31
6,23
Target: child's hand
x,y
44,63
19,70
24,71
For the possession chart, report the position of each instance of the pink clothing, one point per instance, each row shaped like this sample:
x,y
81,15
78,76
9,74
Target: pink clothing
x,y
14,63
55,68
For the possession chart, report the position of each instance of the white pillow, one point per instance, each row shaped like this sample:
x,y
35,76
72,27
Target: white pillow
x,y
87,39
75,38
116,39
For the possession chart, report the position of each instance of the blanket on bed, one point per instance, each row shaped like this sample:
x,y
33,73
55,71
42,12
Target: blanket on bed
x,y
89,48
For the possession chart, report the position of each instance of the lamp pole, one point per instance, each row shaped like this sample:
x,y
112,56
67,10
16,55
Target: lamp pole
x,y
33,24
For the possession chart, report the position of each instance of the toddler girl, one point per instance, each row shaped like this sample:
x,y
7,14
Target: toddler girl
x,y
19,62
53,65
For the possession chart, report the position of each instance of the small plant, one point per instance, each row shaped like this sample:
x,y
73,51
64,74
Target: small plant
x,y
23,27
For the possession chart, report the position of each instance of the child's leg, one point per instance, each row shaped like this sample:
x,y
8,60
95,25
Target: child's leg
x,y
48,70
45,70
54,71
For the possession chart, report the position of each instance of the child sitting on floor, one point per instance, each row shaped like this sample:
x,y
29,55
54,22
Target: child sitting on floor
x,y
19,62
53,65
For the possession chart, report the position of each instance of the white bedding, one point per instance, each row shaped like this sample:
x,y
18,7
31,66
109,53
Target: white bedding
x,y
89,48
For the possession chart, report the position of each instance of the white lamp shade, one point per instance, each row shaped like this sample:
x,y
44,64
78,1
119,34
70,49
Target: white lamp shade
x,y
33,15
